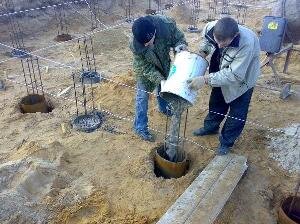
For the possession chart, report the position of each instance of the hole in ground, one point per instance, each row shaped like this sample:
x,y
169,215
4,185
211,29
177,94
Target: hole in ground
x,y
291,209
34,103
63,37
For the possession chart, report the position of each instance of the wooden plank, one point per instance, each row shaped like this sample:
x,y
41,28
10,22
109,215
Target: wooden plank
x,y
211,205
216,176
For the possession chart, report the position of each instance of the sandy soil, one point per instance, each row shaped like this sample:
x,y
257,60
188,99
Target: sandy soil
x,y
50,173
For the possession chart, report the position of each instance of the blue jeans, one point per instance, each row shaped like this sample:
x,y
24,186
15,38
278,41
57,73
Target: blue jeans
x,y
141,107
238,108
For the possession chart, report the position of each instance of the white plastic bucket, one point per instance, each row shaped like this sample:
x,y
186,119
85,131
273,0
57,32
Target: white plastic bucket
x,y
186,65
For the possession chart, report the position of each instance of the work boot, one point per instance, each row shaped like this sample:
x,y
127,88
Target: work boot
x,y
223,150
203,132
145,135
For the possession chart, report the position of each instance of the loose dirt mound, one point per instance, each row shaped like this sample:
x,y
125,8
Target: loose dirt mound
x,y
29,175
285,148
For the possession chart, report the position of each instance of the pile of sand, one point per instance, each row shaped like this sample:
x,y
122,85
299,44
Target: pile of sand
x,y
285,148
34,184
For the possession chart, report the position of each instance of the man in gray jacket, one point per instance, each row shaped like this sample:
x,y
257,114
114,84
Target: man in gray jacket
x,y
233,71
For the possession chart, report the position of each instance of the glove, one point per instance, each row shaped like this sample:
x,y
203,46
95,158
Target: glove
x,y
180,47
196,83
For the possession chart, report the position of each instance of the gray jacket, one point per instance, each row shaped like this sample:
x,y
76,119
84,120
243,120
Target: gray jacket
x,y
239,66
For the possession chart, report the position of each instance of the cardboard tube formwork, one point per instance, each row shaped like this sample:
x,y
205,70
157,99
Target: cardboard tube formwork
x,y
34,103
186,65
294,216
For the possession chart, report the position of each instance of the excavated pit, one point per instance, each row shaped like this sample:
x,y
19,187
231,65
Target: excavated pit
x,y
289,212
63,37
34,103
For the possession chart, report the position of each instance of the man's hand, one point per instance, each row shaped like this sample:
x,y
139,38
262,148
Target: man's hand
x,y
197,82
180,47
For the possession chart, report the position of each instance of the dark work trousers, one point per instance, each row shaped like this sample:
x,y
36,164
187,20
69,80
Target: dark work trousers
x,y
238,109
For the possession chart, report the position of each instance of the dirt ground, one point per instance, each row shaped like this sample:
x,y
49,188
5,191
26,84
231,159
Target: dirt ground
x,y
50,173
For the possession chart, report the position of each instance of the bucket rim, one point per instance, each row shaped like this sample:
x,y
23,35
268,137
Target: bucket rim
x,y
192,52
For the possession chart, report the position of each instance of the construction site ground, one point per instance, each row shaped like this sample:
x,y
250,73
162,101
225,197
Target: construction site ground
x,y
51,173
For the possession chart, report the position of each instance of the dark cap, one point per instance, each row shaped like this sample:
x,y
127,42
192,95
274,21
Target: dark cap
x,y
143,29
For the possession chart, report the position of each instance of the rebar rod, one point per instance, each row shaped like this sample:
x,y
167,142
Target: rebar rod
x,y
83,95
93,53
92,93
166,132
40,75
24,76
75,93
16,33
185,125
29,71
87,56
33,72
81,59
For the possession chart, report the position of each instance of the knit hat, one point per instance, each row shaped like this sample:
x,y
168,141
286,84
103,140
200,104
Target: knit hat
x,y
143,29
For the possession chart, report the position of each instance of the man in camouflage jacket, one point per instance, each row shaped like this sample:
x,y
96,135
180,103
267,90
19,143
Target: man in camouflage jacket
x,y
153,38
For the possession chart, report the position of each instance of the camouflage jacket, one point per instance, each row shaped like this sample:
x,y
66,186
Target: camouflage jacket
x,y
151,65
